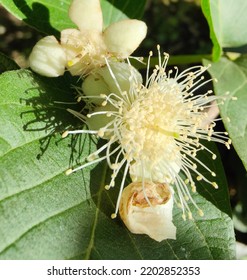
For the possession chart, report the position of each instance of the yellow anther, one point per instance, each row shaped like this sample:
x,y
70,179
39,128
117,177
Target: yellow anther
x,y
113,216
65,134
69,171
200,212
214,184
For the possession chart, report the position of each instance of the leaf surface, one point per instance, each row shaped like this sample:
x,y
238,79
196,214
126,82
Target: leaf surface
x,y
232,77
227,21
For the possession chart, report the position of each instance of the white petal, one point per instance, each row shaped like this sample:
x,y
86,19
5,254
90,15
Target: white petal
x,y
48,57
141,218
86,14
84,50
125,76
94,85
123,37
71,42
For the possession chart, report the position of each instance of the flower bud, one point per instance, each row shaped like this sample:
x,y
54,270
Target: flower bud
x,y
123,37
94,85
102,81
146,208
48,57
122,72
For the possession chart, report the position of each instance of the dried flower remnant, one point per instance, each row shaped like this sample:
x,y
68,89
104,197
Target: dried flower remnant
x,y
146,208
155,129
84,49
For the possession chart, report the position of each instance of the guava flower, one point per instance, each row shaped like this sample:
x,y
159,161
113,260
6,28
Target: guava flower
x,y
147,209
84,49
154,130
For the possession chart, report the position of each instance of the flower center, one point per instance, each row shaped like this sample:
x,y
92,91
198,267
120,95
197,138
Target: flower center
x,y
85,52
150,126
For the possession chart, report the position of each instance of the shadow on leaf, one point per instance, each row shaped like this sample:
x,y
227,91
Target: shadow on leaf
x,y
37,16
49,100
100,177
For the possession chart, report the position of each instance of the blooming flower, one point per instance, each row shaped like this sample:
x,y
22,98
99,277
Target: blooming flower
x,y
157,128
83,49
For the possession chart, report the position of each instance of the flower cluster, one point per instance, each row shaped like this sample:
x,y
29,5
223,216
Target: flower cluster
x,y
153,129
84,49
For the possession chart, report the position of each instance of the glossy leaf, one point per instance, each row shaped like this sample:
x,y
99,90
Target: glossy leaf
x,y
45,214
232,78
217,49
116,10
226,19
51,17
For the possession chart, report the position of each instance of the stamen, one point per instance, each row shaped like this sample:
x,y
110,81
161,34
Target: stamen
x,y
200,212
114,216
69,171
65,134
157,128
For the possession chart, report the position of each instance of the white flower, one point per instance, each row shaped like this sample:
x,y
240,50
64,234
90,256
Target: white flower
x,y
83,49
154,130
147,209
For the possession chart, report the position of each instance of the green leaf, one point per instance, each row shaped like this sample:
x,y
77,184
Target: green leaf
x,y
217,50
47,215
116,10
232,78
227,21
7,63
51,17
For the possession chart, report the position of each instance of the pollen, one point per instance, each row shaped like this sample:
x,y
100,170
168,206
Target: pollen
x,y
70,63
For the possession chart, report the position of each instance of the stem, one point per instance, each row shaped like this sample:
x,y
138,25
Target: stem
x,y
174,60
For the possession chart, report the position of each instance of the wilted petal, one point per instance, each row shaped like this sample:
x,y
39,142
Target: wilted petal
x,y
86,14
123,37
153,217
48,57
